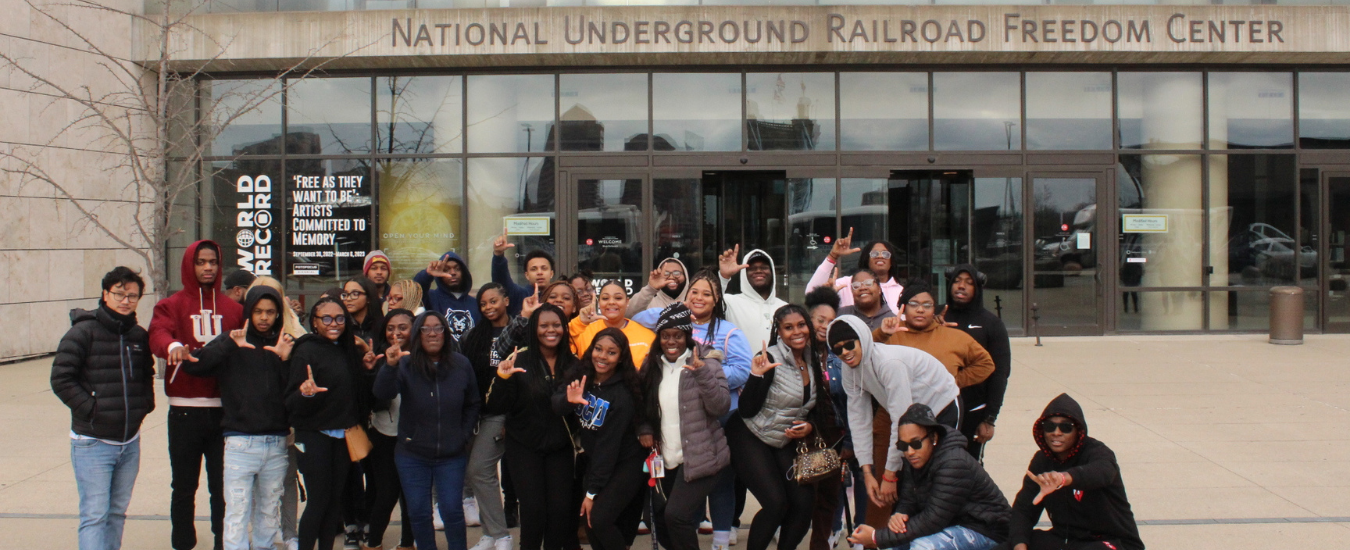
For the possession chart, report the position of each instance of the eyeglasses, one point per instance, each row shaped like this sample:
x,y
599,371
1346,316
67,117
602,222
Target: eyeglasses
x,y
673,274
848,345
429,331
333,320
1048,426
352,295
915,444
119,297
919,305
858,285
883,254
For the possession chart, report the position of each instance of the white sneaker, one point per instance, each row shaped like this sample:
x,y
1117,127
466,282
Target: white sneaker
x,y
705,528
834,537
471,512
857,547
733,539
504,543
485,543
716,546
292,544
436,517
643,529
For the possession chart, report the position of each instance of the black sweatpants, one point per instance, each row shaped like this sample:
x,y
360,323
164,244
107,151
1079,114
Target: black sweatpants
x,y
969,423
325,464
677,525
618,507
195,434
784,504
543,483
384,490
1046,540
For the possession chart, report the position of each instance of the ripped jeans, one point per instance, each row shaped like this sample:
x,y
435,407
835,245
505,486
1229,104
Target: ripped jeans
x,y
955,537
255,469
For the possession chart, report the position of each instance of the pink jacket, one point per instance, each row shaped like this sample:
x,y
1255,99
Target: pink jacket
x,y
891,289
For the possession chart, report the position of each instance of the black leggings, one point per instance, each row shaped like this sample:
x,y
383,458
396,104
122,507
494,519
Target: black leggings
x,y
618,507
543,484
677,525
325,464
784,504
383,490
1047,540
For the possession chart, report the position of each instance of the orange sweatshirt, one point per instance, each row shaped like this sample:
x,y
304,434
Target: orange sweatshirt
x,y
640,339
965,358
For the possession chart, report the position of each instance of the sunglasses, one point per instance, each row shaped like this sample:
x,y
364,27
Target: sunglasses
x,y
1048,426
332,320
883,254
858,285
842,347
915,444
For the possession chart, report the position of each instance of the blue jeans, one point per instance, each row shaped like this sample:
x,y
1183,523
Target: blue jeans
x,y
722,499
254,475
104,475
420,476
955,537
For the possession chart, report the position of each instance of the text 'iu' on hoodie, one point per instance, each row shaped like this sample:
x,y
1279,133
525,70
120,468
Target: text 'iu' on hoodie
x,y
252,381
192,317
984,399
897,377
457,305
748,310
1093,507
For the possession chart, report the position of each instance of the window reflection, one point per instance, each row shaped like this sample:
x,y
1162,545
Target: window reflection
x,y
245,114
510,113
789,111
810,220
1161,236
883,111
696,111
676,216
328,116
1251,110
1252,220
609,230
1323,112
1160,110
1068,110
503,189
415,115
977,111
604,112
996,245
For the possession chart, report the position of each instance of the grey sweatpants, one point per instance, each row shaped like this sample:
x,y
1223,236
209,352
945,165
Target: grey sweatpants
x,y
481,478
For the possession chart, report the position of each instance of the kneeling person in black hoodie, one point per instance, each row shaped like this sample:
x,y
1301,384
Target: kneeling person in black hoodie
x,y
947,500
1074,479
250,368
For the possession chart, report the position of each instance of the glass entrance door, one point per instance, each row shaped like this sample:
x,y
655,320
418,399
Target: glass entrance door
x,y
1336,290
607,227
1066,281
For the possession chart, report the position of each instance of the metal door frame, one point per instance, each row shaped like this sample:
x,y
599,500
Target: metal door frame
x,y
1324,249
1105,245
567,213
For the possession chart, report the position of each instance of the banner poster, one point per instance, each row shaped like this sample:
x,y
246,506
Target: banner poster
x,y
246,216
420,212
330,223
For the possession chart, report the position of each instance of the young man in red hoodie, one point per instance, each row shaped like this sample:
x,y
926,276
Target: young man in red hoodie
x,y
184,322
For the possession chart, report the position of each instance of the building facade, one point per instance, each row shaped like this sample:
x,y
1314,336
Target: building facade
x,y
1111,168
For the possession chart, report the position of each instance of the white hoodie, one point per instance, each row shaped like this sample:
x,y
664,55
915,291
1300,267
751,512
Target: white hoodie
x,y
897,376
749,311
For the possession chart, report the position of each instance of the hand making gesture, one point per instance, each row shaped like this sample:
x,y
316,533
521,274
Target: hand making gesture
x,y
439,269
843,246
892,325
576,392
833,281
1049,482
499,244
394,353
657,279
507,367
530,303
760,364
308,388
285,343
240,337
695,362
588,314
368,357
726,263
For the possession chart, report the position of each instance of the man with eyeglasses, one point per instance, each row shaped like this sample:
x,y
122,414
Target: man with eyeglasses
x,y
868,304
105,373
1075,480
666,285
182,323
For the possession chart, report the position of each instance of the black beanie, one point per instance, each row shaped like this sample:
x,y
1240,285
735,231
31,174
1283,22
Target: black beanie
x,y
841,332
676,316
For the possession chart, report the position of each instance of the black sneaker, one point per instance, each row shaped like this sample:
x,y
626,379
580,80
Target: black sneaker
x,y
352,539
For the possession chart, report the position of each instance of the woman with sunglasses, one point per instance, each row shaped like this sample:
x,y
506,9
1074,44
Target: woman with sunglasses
x,y
786,401
1076,481
613,303
383,488
325,397
604,391
948,502
539,451
879,257
438,411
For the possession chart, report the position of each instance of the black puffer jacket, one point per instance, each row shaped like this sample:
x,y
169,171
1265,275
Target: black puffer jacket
x,y
1093,507
951,489
104,372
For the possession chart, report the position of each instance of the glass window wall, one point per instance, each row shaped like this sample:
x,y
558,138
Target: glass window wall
x,y
503,189
883,111
1252,221
419,115
1068,111
328,116
1323,110
242,117
977,111
1160,110
421,211
609,230
603,112
696,111
1161,234
510,113
996,245
676,213
789,111
811,218
329,207
1251,110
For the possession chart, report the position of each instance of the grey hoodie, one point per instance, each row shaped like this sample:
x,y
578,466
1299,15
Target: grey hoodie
x,y
651,298
897,377
749,311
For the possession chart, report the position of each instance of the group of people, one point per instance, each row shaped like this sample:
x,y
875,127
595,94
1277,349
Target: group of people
x,y
573,412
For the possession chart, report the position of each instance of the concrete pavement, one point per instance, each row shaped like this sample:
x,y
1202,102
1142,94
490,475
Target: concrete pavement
x,y
1224,441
